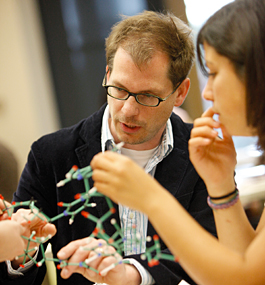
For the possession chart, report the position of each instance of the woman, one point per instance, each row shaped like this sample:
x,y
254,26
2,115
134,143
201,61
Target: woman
x,y
233,40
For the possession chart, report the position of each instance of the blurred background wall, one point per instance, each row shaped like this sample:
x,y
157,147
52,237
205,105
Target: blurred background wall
x,y
52,62
27,103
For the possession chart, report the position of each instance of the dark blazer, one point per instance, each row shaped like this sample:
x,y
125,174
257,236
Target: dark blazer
x,y
53,155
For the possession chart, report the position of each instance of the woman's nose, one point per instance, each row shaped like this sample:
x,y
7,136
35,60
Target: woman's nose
x,y
207,92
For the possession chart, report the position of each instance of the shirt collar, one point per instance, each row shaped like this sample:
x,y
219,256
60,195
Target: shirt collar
x,y
106,135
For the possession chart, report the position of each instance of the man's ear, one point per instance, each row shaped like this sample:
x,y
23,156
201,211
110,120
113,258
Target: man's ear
x,y
107,72
182,92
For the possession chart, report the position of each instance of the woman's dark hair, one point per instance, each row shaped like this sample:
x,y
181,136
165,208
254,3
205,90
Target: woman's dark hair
x,y
237,31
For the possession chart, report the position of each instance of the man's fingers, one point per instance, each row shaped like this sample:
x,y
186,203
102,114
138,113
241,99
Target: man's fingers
x,y
70,248
91,254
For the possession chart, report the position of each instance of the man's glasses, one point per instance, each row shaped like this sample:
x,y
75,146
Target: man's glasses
x,y
143,99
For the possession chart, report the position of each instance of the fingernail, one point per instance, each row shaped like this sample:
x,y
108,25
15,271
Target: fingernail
x,y
61,254
216,124
207,141
65,272
215,133
89,239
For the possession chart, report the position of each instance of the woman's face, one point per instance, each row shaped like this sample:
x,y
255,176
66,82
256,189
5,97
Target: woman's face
x,y
227,92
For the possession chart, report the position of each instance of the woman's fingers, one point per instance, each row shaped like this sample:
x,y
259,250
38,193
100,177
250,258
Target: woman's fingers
x,y
206,121
104,160
208,113
204,131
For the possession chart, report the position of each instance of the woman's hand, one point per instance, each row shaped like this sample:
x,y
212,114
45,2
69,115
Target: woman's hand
x,y
12,243
121,179
214,158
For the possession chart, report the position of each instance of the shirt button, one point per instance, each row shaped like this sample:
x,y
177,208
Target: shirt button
x,y
131,215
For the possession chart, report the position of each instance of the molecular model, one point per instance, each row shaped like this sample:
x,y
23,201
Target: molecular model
x,y
153,254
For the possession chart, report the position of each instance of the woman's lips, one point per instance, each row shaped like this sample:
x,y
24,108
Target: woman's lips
x,y
129,128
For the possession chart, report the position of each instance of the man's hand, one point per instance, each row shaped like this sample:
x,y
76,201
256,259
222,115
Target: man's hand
x,y
100,257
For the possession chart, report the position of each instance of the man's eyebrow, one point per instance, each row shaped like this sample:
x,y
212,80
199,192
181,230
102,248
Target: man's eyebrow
x,y
148,91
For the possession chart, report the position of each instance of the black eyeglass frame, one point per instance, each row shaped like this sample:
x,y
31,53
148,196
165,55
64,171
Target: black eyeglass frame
x,y
136,94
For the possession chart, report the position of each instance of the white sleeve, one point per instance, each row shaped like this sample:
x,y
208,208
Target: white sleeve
x,y
147,278
21,270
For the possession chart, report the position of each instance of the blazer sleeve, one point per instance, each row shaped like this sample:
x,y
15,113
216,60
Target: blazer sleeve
x,y
34,276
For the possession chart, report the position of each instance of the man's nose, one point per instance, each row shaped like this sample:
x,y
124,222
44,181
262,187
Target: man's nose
x,y
131,107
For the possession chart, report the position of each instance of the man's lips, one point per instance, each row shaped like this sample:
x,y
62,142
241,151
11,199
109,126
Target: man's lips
x,y
129,128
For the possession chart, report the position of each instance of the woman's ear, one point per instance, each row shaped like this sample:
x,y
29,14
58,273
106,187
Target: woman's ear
x,y
182,92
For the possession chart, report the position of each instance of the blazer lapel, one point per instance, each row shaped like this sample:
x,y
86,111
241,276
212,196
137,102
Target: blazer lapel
x,y
85,153
171,171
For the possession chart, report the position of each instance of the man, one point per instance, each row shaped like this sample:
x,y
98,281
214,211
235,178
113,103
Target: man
x,y
148,59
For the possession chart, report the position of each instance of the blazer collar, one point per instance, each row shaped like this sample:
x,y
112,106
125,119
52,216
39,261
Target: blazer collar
x,y
171,171
90,133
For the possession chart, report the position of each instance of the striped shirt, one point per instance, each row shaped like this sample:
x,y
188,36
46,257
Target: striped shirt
x,y
135,238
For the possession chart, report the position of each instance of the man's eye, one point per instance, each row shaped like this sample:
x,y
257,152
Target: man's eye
x,y
120,90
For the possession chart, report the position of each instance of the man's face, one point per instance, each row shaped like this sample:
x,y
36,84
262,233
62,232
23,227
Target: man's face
x,y
140,127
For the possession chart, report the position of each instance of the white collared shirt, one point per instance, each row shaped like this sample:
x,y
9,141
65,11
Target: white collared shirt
x,y
128,217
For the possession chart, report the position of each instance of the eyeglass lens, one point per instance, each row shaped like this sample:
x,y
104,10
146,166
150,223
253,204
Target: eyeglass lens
x,y
141,98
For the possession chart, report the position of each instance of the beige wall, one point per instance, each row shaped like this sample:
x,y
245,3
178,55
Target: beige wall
x,y
27,107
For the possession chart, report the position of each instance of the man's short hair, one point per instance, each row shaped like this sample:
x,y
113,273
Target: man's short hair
x,y
144,34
